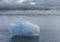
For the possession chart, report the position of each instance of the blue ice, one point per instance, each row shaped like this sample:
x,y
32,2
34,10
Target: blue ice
x,y
24,28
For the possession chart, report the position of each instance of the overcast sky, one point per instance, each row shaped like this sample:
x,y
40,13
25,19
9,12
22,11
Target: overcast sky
x,y
29,3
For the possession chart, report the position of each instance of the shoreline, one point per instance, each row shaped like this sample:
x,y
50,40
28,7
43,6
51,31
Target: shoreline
x,y
30,12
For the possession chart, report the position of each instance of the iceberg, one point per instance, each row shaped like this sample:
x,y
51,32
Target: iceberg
x,y
24,28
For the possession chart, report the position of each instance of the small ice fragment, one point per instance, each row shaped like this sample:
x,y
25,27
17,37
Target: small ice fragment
x,y
32,3
25,28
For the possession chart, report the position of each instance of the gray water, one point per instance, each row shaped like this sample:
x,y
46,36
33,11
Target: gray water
x,y
49,28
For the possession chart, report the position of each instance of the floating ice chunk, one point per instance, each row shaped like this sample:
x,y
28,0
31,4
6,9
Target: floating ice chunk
x,y
25,28
33,3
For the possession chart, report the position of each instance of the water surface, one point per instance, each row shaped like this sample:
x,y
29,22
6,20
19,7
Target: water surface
x,y
49,27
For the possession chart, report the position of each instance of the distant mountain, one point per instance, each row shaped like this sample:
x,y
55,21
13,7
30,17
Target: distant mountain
x,y
24,7
29,4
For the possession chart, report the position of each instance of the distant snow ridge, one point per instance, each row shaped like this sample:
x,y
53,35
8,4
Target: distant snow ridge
x,y
24,28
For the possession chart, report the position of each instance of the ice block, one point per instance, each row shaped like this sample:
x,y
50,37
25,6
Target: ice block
x,y
24,28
